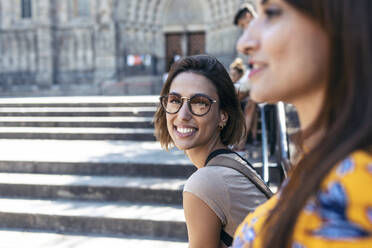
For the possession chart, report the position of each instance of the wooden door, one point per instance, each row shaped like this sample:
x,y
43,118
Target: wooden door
x,y
173,48
195,43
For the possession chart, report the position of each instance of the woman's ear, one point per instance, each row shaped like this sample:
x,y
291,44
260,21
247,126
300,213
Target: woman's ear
x,y
223,119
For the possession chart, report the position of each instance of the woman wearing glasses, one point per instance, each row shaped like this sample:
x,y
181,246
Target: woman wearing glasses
x,y
200,114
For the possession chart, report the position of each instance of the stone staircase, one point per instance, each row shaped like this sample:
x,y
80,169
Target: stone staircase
x,y
87,172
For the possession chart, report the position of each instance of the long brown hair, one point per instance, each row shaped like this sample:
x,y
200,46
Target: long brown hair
x,y
215,72
346,114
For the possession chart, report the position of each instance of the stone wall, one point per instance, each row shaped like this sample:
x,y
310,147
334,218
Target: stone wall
x,y
67,53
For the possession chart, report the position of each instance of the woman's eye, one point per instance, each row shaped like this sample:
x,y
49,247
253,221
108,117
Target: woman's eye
x,y
200,101
273,12
176,101
203,104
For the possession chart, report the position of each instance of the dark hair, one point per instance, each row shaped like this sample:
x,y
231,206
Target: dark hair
x,y
216,73
243,10
346,113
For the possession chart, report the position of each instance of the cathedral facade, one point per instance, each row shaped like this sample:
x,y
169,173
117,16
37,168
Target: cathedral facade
x,y
90,47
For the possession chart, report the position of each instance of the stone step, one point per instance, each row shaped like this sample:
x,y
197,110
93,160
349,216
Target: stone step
x,y
73,121
90,151
16,238
81,101
99,168
108,218
101,188
78,111
135,169
138,134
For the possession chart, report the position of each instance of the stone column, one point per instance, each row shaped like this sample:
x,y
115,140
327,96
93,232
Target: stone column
x,y
105,42
45,50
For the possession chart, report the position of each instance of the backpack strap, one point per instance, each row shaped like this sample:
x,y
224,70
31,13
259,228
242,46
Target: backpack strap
x,y
234,161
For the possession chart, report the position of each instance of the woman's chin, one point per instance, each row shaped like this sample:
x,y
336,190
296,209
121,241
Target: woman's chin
x,y
263,97
182,147
258,98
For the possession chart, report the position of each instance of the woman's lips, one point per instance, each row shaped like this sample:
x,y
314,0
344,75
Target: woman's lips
x,y
253,72
256,67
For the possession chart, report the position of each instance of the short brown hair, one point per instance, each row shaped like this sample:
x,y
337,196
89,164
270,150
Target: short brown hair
x,y
216,73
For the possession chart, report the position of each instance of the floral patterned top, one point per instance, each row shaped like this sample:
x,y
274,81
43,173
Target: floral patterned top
x,y
340,215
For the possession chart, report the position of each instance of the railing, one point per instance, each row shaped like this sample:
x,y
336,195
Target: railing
x,y
282,147
264,140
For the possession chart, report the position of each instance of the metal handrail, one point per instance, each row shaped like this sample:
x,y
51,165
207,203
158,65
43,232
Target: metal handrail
x,y
265,157
283,140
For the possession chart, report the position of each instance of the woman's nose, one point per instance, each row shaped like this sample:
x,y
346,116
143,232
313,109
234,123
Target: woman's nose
x,y
184,112
247,43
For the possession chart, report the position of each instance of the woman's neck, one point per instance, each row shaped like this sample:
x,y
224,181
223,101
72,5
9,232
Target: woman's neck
x,y
199,155
308,111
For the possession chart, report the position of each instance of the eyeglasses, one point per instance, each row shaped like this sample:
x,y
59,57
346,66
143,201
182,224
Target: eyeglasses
x,y
199,104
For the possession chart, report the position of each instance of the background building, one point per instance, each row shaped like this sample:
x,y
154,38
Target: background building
x,y
90,47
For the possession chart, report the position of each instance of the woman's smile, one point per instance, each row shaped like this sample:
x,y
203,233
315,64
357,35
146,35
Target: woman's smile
x,y
256,68
184,132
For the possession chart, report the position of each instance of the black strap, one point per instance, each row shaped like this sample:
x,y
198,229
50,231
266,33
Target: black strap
x,y
226,238
234,161
216,153
226,151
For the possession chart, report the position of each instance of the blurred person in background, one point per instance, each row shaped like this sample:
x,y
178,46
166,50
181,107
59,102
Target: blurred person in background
x,y
317,55
244,15
236,70
238,74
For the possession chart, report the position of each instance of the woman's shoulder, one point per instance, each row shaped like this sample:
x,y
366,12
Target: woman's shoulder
x,y
214,182
341,209
350,180
209,176
355,169
361,158
208,185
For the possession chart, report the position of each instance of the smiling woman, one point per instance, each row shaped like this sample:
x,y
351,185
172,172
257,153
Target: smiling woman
x,y
199,113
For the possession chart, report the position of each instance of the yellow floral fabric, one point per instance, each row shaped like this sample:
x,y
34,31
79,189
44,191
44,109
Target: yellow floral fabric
x,y
339,215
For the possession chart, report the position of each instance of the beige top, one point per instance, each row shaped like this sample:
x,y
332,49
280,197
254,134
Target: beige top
x,y
227,192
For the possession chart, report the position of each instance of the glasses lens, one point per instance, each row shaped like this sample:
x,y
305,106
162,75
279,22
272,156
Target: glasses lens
x,y
172,103
200,105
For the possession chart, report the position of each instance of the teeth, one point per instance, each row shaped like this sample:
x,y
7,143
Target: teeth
x,y
185,130
255,66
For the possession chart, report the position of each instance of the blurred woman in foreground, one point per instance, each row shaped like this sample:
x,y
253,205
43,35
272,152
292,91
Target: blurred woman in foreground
x,y
317,55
